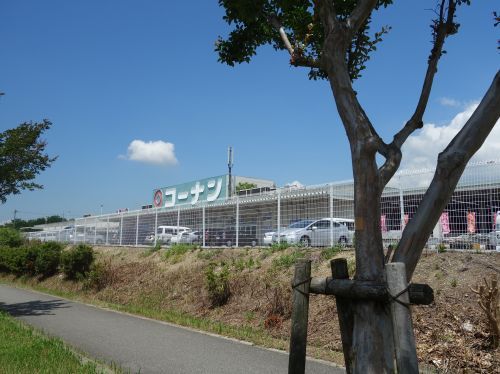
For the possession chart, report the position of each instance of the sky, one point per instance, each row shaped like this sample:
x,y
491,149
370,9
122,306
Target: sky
x,y
138,99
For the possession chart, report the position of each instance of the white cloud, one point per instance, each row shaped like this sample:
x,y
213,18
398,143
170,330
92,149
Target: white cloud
x,y
294,184
153,152
421,150
447,101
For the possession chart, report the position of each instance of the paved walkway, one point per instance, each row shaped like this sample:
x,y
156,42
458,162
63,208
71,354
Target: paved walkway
x,y
143,345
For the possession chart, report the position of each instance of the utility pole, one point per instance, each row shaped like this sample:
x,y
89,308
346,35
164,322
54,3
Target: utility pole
x,y
15,210
230,167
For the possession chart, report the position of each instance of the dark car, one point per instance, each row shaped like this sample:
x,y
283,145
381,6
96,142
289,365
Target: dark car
x,y
227,237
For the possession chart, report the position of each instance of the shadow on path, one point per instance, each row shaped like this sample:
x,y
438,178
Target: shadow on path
x,y
33,308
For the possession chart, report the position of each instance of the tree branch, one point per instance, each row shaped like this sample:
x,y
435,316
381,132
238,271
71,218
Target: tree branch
x,y
442,28
296,58
360,14
451,164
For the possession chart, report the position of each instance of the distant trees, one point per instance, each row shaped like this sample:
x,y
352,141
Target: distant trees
x,y
22,157
18,223
245,186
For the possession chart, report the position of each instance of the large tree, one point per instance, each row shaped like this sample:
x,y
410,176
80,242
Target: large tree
x,y
22,157
333,40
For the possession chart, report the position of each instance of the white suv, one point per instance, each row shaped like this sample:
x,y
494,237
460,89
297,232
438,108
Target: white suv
x,y
315,233
164,234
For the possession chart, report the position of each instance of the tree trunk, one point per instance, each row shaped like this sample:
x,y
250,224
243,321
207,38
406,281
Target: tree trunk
x,y
372,349
372,344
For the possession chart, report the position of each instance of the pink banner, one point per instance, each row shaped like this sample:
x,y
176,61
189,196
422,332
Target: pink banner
x,y
406,218
445,223
471,222
383,225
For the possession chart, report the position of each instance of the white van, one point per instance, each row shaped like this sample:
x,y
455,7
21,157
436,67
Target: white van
x,y
164,234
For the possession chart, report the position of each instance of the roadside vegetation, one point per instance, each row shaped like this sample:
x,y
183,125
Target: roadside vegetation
x,y
23,350
245,293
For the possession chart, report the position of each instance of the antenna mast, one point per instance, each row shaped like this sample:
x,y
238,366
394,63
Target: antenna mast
x,y
230,167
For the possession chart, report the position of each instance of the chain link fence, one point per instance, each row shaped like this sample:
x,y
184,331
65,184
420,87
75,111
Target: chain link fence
x,y
319,216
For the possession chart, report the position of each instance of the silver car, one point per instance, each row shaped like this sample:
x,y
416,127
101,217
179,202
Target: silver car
x,y
315,233
494,238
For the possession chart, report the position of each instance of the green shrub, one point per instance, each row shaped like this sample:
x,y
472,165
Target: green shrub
x,y
177,251
279,246
20,260
48,259
217,283
208,254
328,253
76,262
441,248
287,260
10,237
101,275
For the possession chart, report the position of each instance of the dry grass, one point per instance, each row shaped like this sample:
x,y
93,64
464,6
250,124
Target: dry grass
x,y
260,299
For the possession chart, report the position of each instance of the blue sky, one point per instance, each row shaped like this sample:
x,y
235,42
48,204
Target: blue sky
x,y
109,73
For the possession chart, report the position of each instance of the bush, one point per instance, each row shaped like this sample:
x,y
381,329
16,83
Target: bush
x,y
177,251
76,262
287,260
281,246
48,259
328,253
19,261
100,276
10,237
217,282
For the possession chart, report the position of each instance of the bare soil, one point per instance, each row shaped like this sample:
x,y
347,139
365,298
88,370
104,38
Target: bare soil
x,y
452,334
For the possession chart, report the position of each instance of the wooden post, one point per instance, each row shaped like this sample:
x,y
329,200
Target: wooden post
x,y
404,340
344,311
300,315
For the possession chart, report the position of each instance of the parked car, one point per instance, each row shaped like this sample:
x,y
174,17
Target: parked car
x,y
89,237
315,233
164,234
187,237
268,237
349,223
494,237
247,236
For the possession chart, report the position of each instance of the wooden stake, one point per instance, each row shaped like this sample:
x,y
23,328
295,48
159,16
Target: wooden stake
x,y
344,311
300,315
404,339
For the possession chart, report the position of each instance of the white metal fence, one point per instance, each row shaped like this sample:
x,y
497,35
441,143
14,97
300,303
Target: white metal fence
x,y
320,215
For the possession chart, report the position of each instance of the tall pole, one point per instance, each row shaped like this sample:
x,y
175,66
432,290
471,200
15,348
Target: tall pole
x,y
230,167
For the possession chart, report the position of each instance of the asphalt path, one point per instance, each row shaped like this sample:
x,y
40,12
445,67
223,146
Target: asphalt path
x,y
141,344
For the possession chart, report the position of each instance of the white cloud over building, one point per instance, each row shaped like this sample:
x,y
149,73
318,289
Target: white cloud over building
x,y
155,152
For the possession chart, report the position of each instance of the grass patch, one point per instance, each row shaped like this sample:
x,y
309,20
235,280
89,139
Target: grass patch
x,y
331,252
287,260
281,246
24,350
208,254
177,252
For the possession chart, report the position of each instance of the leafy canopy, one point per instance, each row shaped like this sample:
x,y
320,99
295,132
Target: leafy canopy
x,y
256,23
245,186
22,157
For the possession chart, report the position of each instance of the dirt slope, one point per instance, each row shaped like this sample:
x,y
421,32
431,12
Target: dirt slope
x,y
451,333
